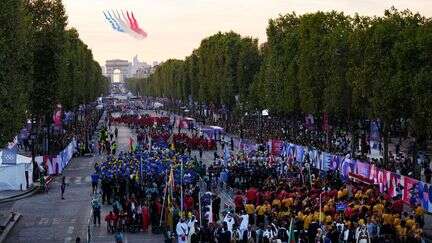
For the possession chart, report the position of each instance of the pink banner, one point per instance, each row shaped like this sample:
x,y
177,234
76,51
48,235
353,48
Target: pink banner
x,y
184,124
409,188
276,146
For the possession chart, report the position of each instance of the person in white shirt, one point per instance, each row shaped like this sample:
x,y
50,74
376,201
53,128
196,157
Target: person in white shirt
x,y
269,233
208,215
346,233
361,234
191,226
182,230
229,219
244,222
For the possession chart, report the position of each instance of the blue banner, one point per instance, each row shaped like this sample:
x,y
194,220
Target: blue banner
x,y
299,153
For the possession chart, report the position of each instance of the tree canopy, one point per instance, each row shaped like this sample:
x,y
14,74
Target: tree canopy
x,y
350,67
222,67
43,64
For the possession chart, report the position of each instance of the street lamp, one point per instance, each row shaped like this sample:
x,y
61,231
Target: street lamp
x,y
33,154
323,190
320,206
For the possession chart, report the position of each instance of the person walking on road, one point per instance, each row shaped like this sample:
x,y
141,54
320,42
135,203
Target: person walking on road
x,y
118,237
95,182
116,132
96,206
63,187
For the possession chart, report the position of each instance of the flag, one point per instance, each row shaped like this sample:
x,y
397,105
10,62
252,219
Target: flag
x,y
131,142
169,194
170,187
171,178
226,155
291,237
9,155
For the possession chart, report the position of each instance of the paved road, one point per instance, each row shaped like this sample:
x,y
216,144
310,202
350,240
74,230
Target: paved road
x,y
48,218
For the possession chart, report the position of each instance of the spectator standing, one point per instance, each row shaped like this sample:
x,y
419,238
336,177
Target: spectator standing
x,y
95,182
63,187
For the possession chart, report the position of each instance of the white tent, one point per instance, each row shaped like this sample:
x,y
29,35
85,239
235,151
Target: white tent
x,y
13,177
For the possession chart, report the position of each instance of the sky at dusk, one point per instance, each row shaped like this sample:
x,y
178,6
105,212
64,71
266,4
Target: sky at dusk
x,y
176,27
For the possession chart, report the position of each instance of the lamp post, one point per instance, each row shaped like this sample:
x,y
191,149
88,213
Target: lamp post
x,y
323,190
259,124
36,172
320,206
86,129
181,187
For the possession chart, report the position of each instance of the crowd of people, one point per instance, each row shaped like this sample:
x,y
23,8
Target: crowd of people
x,y
78,125
194,141
275,199
137,120
134,183
322,134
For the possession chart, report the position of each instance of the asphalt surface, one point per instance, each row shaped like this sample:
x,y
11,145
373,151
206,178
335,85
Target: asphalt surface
x,y
48,218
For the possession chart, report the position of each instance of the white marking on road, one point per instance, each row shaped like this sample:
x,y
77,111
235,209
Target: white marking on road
x,y
43,221
68,239
56,221
78,180
73,220
88,179
67,179
70,230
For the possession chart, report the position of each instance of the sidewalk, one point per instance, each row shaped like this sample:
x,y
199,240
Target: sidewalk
x,y
9,195
4,195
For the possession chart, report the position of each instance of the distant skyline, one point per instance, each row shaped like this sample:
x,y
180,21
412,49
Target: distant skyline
x,y
176,27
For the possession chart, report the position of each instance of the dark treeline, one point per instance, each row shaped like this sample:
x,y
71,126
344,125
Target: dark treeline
x,y
43,63
351,67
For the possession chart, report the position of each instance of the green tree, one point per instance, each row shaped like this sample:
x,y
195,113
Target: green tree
x,y
48,24
15,68
353,68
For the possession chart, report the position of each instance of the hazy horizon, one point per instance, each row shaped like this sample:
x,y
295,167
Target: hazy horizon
x,y
176,27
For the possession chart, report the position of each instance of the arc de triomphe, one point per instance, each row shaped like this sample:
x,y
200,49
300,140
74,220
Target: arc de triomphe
x,y
122,65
